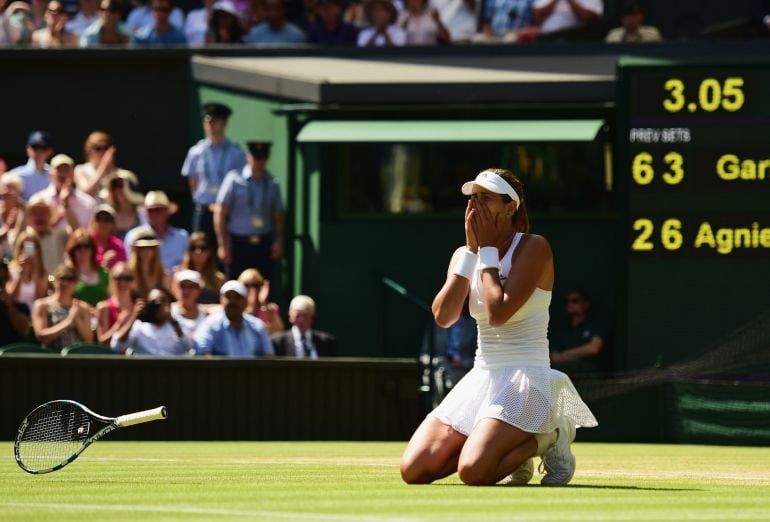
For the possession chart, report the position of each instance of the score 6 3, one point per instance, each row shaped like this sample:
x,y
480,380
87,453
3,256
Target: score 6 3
x,y
643,172
712,95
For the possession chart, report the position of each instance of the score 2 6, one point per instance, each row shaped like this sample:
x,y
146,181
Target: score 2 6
x,y
670,235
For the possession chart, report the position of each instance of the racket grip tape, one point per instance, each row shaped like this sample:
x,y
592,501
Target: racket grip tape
x,y
139,417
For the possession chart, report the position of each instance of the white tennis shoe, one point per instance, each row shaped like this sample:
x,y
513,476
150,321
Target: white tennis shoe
x,y
521,475
558,460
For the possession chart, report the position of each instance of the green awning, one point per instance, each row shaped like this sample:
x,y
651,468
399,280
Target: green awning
x,y
451,130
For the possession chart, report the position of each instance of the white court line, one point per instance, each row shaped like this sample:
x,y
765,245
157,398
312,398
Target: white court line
x,y
207,511
637,514
255,461
672,474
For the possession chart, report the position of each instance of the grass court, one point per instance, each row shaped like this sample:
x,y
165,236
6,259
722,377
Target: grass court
x,y
358,481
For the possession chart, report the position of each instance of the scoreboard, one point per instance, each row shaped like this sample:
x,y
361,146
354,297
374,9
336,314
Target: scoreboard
x,y
693,164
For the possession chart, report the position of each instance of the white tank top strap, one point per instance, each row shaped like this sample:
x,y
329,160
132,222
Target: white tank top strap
x,y
505,261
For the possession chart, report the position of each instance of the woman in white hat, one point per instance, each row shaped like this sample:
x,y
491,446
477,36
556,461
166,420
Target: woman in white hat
x,y
511,406
128,205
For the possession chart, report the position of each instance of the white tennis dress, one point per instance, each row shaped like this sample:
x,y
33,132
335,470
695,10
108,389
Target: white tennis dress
x,y
511,379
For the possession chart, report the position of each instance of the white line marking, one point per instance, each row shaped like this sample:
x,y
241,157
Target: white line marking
x,y
207,511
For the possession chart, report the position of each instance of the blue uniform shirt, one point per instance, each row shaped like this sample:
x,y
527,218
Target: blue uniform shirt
x,y
217,336
34,180
251,203
209,164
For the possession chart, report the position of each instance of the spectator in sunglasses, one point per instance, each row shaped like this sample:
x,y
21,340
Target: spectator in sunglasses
x,y
109,30
162,31
109,248
92,277
200,257
141,16
54,33
128,205
114,312
257,300
99,168
60,320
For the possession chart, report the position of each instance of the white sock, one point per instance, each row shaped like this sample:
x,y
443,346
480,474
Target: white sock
x,y
544,441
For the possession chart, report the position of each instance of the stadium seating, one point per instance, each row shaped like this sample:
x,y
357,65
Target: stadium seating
x,y
23,348
87,349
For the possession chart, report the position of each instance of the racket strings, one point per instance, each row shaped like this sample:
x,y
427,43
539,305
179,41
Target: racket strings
x,y
53,435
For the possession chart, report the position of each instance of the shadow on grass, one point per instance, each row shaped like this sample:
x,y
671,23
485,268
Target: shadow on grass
x,y
575,486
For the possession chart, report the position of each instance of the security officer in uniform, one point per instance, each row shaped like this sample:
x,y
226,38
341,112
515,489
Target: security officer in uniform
x,y
208,162
249,216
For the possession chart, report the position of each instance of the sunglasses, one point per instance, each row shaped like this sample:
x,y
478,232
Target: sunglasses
x,y
40,147
67,279
102,147
253,285
104,218
82,246
126,278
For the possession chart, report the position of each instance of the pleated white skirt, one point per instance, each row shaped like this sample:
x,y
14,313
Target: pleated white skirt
x,y
531,398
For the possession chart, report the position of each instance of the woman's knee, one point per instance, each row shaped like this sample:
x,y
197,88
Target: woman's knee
x,y
415,471
476,472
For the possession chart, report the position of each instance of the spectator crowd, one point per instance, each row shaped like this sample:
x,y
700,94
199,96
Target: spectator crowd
x,y
90,23
87,258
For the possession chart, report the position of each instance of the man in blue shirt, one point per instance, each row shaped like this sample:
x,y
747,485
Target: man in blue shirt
x,y
249,216
162,32
275,29
208,162
173,240
35,173
230,331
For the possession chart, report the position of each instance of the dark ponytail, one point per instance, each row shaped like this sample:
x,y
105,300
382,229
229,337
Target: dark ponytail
x,y
520,219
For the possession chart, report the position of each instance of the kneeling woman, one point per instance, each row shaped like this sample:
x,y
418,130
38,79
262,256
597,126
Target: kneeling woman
x,y
511,406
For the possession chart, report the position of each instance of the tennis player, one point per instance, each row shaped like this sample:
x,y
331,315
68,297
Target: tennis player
x,y
511,406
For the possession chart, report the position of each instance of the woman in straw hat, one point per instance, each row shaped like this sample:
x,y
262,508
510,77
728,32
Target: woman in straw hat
x,y
128,205
144,263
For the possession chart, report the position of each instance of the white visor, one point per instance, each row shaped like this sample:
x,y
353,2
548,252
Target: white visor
x,y
492,182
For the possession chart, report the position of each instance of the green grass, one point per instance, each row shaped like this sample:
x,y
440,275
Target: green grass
x,y
359,481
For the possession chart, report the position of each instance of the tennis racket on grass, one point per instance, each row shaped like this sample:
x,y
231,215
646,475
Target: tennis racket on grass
x,y
55,433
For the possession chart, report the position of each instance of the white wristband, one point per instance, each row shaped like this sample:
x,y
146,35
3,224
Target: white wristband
x,y
465,264
489,258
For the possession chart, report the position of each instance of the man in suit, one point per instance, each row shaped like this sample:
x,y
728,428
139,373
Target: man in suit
x,y
301,341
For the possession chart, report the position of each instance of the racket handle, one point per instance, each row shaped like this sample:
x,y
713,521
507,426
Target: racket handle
x,y
139,417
